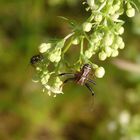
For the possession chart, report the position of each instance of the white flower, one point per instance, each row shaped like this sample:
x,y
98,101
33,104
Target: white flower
x,y
53,90
44,47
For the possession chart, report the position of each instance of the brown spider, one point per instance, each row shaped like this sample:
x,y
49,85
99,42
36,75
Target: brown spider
x,y
81,77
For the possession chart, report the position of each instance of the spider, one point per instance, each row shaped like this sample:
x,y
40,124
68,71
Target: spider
x,y
81,77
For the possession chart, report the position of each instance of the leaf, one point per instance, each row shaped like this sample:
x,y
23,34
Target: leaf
x,y
70,22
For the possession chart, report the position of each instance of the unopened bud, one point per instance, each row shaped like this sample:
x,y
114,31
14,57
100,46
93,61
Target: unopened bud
x,y
122,45
75,41
102,56
44,47
99,72
130,12
87,26
121,30
115,53
98,18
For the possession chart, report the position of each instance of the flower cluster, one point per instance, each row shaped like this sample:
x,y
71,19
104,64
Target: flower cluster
x,y
106,27
102,33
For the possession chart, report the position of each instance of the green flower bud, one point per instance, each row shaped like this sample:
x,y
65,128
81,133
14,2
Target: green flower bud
x,y
115,16
102,56
116,7
108,51
130,12
115,46
99,72
87,26
118,40
89,53
44,47
76,41
121,30
122,45
111,10
108,39
55,55
98,18
96,37
115,53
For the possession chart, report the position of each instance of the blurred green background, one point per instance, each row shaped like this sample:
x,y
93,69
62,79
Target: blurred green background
x,y
26,113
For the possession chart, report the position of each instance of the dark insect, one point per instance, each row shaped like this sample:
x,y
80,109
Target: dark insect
x,y
81,77
36,59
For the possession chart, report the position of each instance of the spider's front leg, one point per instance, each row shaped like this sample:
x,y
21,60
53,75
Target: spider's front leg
x,y
66,74
89,88
67,80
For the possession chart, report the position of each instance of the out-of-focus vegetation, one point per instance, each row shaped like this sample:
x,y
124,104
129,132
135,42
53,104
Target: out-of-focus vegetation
x,y
26,113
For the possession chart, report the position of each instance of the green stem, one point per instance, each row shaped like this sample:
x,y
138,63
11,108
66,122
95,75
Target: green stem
x,y
82,45
67,47
87,37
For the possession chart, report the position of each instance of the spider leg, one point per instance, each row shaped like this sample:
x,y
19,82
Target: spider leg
x,y
89,87
91,81
67,80
66,74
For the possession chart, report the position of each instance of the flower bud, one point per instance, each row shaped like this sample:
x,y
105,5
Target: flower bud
x,y
118,40
122,45
108,51
98,18
89,53
96,37
55,56
130,12
115,53
44,47
75,41
87,26
116,7
115,46
115,16
99,72
121,30
102,56
108,39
